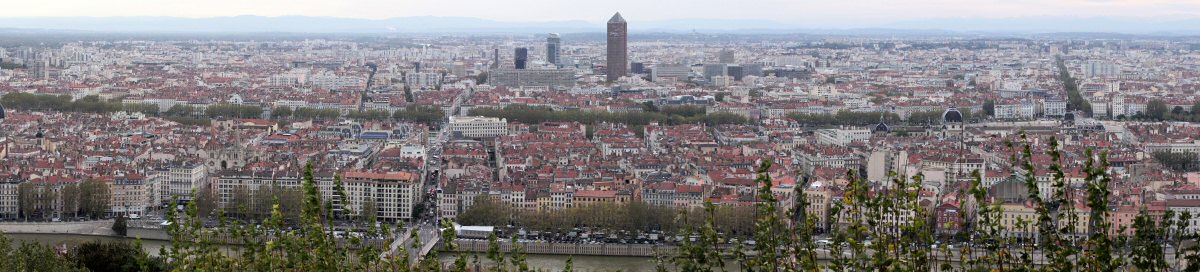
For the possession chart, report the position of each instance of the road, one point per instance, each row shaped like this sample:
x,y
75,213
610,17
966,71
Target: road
x,y
429,237
433,162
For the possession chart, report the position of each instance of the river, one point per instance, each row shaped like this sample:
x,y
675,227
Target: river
x,y
536,261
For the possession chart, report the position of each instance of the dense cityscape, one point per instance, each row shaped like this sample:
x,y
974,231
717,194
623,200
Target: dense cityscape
x,y
642,145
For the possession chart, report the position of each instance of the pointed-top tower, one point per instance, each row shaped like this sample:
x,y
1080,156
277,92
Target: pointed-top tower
x,y
618,52
616,18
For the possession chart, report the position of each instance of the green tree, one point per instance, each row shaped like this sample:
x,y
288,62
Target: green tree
x,y
181,111
1178,161
70,199
120,225
494,254
1146,248
703,253
281,112
1157,109
486,211
94,198
481,78
27,199
114,256
1101,246
33,257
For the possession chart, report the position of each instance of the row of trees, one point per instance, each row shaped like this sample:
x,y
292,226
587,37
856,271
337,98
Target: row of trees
x,y
90,104
633,217
1075,99
233,111
304,113
1158,110
852,118
844,118
424,114
1178,161
537,114
376,115
39,201
413,113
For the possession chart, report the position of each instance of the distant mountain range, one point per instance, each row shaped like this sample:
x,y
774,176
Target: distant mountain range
x,y
431,24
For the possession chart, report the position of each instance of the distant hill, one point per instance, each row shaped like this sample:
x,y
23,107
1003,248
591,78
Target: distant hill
x,y
433,24
302,24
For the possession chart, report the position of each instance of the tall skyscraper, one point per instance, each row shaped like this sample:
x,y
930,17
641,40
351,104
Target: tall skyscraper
x,y
725,56
495,57
618,52
552,44
520,57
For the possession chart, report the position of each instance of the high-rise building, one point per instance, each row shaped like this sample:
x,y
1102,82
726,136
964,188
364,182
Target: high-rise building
x,y
637,68
40,69
725,56
618,52
553,43
552,78
711,70
1097,68
676,71
735,71
495,57
520,57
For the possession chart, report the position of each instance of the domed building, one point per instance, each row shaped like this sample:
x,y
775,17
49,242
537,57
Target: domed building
x,y
952,123
881,128
952,115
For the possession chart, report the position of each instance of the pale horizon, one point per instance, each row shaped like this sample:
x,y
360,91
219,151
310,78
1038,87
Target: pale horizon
x,y
853,13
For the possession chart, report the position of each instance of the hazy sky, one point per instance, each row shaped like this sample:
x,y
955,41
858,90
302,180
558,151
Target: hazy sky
x,y
812,12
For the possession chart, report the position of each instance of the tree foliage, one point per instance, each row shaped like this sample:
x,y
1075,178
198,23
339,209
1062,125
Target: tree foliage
x,y
1178,161
845,118
668,116
1075,100
88,104
233,111
735,221
429,115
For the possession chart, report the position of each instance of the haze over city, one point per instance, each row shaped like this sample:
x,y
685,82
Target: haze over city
x,y
1125,16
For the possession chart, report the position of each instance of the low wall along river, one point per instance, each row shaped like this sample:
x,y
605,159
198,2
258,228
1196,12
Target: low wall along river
x,y
549,262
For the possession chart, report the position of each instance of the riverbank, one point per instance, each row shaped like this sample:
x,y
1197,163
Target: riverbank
x,y
536,261
92,228
537,247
